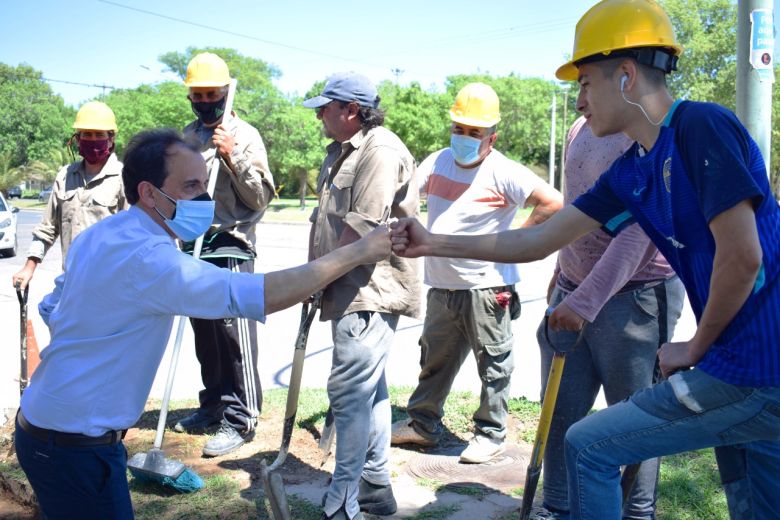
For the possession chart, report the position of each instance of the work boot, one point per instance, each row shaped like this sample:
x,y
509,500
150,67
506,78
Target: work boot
x,y
197,422
226,439
342,515
548,513
482,449
376,499
403,432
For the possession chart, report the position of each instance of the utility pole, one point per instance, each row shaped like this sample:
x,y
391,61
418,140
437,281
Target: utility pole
x,y
552,143
397,73
755,70
564,128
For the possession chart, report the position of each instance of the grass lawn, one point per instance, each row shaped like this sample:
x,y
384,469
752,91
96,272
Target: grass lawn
x,y
27,203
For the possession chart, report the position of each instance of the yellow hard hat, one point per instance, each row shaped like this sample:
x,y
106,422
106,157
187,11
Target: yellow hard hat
x,y
476,105
207,70
612,25
95,116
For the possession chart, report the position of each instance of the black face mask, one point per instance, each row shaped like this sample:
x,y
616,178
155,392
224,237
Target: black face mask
x,y
209,112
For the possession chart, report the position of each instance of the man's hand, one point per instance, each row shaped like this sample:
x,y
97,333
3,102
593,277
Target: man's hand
x,y
676,356
223,140
564,318
374,246
410,238
23,277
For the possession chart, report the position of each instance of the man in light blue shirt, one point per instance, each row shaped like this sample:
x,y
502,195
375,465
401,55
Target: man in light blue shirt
x,y
110,316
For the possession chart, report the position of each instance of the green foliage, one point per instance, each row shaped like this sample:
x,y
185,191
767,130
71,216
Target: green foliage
x,y
707,30
9,175
296,145
420,118
33,119
148,106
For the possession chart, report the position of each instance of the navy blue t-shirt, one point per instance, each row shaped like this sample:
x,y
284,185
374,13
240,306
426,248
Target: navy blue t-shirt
x,y
703,163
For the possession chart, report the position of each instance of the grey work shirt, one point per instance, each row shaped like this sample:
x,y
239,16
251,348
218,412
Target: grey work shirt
x,y
76,203
359,181
241,197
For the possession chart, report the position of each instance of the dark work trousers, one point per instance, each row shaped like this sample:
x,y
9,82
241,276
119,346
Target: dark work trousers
x,y
227,352
76,482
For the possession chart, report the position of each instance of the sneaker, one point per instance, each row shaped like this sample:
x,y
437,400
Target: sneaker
x,y
545,513
342,515
197,422
403,432
376,499
482,449
226,439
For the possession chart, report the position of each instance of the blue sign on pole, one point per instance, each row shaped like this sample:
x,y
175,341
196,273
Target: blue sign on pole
x,y
762,43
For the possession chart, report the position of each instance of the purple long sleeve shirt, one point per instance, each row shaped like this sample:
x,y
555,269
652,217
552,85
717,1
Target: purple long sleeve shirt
x,y
598,264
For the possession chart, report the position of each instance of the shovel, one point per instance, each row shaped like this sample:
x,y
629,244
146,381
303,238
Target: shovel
x,y
543,430
308,311
22,295
272,482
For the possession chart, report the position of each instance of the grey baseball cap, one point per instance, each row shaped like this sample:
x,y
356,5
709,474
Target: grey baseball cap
x,y
347,87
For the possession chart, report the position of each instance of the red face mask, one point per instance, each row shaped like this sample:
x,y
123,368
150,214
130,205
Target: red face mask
x,y
95,152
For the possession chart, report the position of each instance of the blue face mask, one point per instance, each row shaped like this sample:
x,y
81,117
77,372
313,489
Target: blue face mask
x,y
465,149
191,218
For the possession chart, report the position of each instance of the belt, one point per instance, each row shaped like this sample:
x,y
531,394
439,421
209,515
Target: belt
x,y
68,440
569,286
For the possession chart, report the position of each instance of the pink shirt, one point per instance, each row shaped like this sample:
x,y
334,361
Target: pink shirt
x,y
597,263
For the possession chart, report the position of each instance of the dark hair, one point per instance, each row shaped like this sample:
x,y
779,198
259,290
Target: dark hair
x,y
654,76
146,158
369,117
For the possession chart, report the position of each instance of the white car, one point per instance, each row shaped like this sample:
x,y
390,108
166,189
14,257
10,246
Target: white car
x,y
7,227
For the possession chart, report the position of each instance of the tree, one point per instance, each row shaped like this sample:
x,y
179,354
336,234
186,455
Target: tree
x,y
148,106
707,30
418,117
33,119
9,175
295,146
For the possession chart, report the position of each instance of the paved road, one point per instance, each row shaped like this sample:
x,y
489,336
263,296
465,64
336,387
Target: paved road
x,y
281,246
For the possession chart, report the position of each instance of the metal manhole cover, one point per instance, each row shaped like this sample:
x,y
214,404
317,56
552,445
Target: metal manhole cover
x,y
503,473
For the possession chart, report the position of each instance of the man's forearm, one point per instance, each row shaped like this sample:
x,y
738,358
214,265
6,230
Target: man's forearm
x,y
518,245
290,286
735,268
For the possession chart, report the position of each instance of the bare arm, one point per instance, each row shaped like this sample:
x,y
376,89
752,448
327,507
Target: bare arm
x,y
290,286
546,201
411,239
735,268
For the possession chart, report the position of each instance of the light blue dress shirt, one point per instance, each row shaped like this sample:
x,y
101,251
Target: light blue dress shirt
x,y
110,316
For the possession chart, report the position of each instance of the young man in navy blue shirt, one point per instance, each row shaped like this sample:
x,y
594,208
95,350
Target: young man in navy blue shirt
x,y
696,183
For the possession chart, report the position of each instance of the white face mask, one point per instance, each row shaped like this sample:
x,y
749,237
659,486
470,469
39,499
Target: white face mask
x,y
191,218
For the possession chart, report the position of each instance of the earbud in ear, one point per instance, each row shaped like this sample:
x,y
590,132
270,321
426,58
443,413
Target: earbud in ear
x,y
623,82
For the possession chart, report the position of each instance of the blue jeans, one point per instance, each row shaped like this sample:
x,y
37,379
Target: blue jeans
x,y
76,482
361,406
689,411
617,351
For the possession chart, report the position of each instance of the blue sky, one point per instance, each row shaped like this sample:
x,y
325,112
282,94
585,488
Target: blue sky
x,y
101,42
